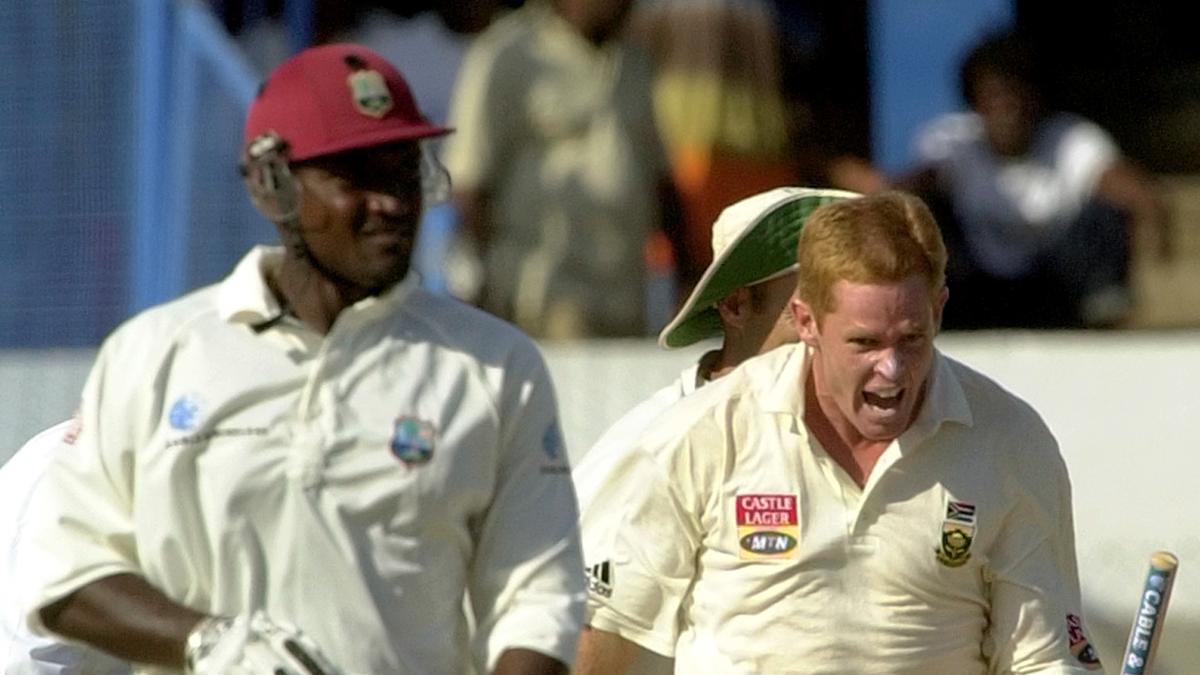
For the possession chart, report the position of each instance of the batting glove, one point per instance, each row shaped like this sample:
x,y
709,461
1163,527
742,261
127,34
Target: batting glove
x,y
253,645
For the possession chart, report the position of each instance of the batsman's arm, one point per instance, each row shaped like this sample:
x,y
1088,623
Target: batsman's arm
x,y
603,653
127,617
528,662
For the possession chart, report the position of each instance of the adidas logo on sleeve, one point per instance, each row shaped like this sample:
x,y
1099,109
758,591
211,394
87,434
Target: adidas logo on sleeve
x,y
600,579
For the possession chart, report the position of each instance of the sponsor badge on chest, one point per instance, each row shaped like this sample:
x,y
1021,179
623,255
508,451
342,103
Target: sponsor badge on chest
x,y
767,527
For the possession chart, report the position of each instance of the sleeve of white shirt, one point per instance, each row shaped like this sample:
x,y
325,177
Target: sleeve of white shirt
x,y
945,136
527,585
654,549
81,526
600,476
1034,578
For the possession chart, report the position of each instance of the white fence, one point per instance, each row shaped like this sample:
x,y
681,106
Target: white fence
x,y
1124,406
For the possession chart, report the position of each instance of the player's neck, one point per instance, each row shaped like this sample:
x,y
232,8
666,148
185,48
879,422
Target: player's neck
x,y
852,451
734,350
311,296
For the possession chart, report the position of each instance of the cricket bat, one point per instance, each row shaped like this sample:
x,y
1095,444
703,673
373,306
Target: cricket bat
x,y
1152,612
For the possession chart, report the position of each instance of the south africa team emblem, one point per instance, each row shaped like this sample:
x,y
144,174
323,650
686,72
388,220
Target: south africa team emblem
x,y
413,440
958,531
955,550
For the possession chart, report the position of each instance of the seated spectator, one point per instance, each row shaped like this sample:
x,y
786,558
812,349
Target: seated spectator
x,y
1038,206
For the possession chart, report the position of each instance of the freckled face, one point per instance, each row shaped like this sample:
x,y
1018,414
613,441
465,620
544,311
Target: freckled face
x,y
872,353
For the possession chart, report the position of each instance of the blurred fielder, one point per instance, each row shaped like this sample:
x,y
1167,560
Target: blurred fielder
x,y
304,468
855,503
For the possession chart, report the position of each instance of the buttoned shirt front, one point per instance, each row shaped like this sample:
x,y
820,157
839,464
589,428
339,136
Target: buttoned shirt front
x,y
747,549
355,484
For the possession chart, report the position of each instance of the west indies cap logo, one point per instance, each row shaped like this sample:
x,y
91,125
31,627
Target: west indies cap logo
x,y
413,440
369,89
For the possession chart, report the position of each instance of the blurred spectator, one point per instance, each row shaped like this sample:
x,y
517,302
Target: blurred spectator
x,y
1038,206
559,173
731,124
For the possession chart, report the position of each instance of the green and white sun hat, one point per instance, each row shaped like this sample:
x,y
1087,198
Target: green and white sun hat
x,y
753,241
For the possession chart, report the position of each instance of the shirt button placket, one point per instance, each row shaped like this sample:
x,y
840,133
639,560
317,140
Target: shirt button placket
x,y
307,459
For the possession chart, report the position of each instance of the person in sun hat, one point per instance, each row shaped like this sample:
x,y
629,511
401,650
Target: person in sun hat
x,y
305,468
855,502
742,298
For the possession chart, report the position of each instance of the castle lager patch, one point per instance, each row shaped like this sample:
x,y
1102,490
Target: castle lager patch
x,y
1081,648
767,527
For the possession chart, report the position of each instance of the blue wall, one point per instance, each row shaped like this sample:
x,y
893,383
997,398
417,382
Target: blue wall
x,y
120,124
915,48
66,138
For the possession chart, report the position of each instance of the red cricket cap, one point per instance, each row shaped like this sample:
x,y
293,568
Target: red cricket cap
x,y
337,97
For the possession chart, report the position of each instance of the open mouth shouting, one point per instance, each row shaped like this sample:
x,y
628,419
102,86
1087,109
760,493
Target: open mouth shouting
x,y
885,410
884,400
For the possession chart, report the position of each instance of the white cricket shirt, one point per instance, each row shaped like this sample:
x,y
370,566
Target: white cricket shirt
x,y
599,498
601,492
354,484
22,652
745,548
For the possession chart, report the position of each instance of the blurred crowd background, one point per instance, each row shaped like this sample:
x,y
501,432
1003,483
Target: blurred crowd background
x,y
597,140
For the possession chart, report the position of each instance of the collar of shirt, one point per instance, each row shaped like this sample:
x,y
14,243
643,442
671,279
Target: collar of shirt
x,y
944,402
245,297
785,392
